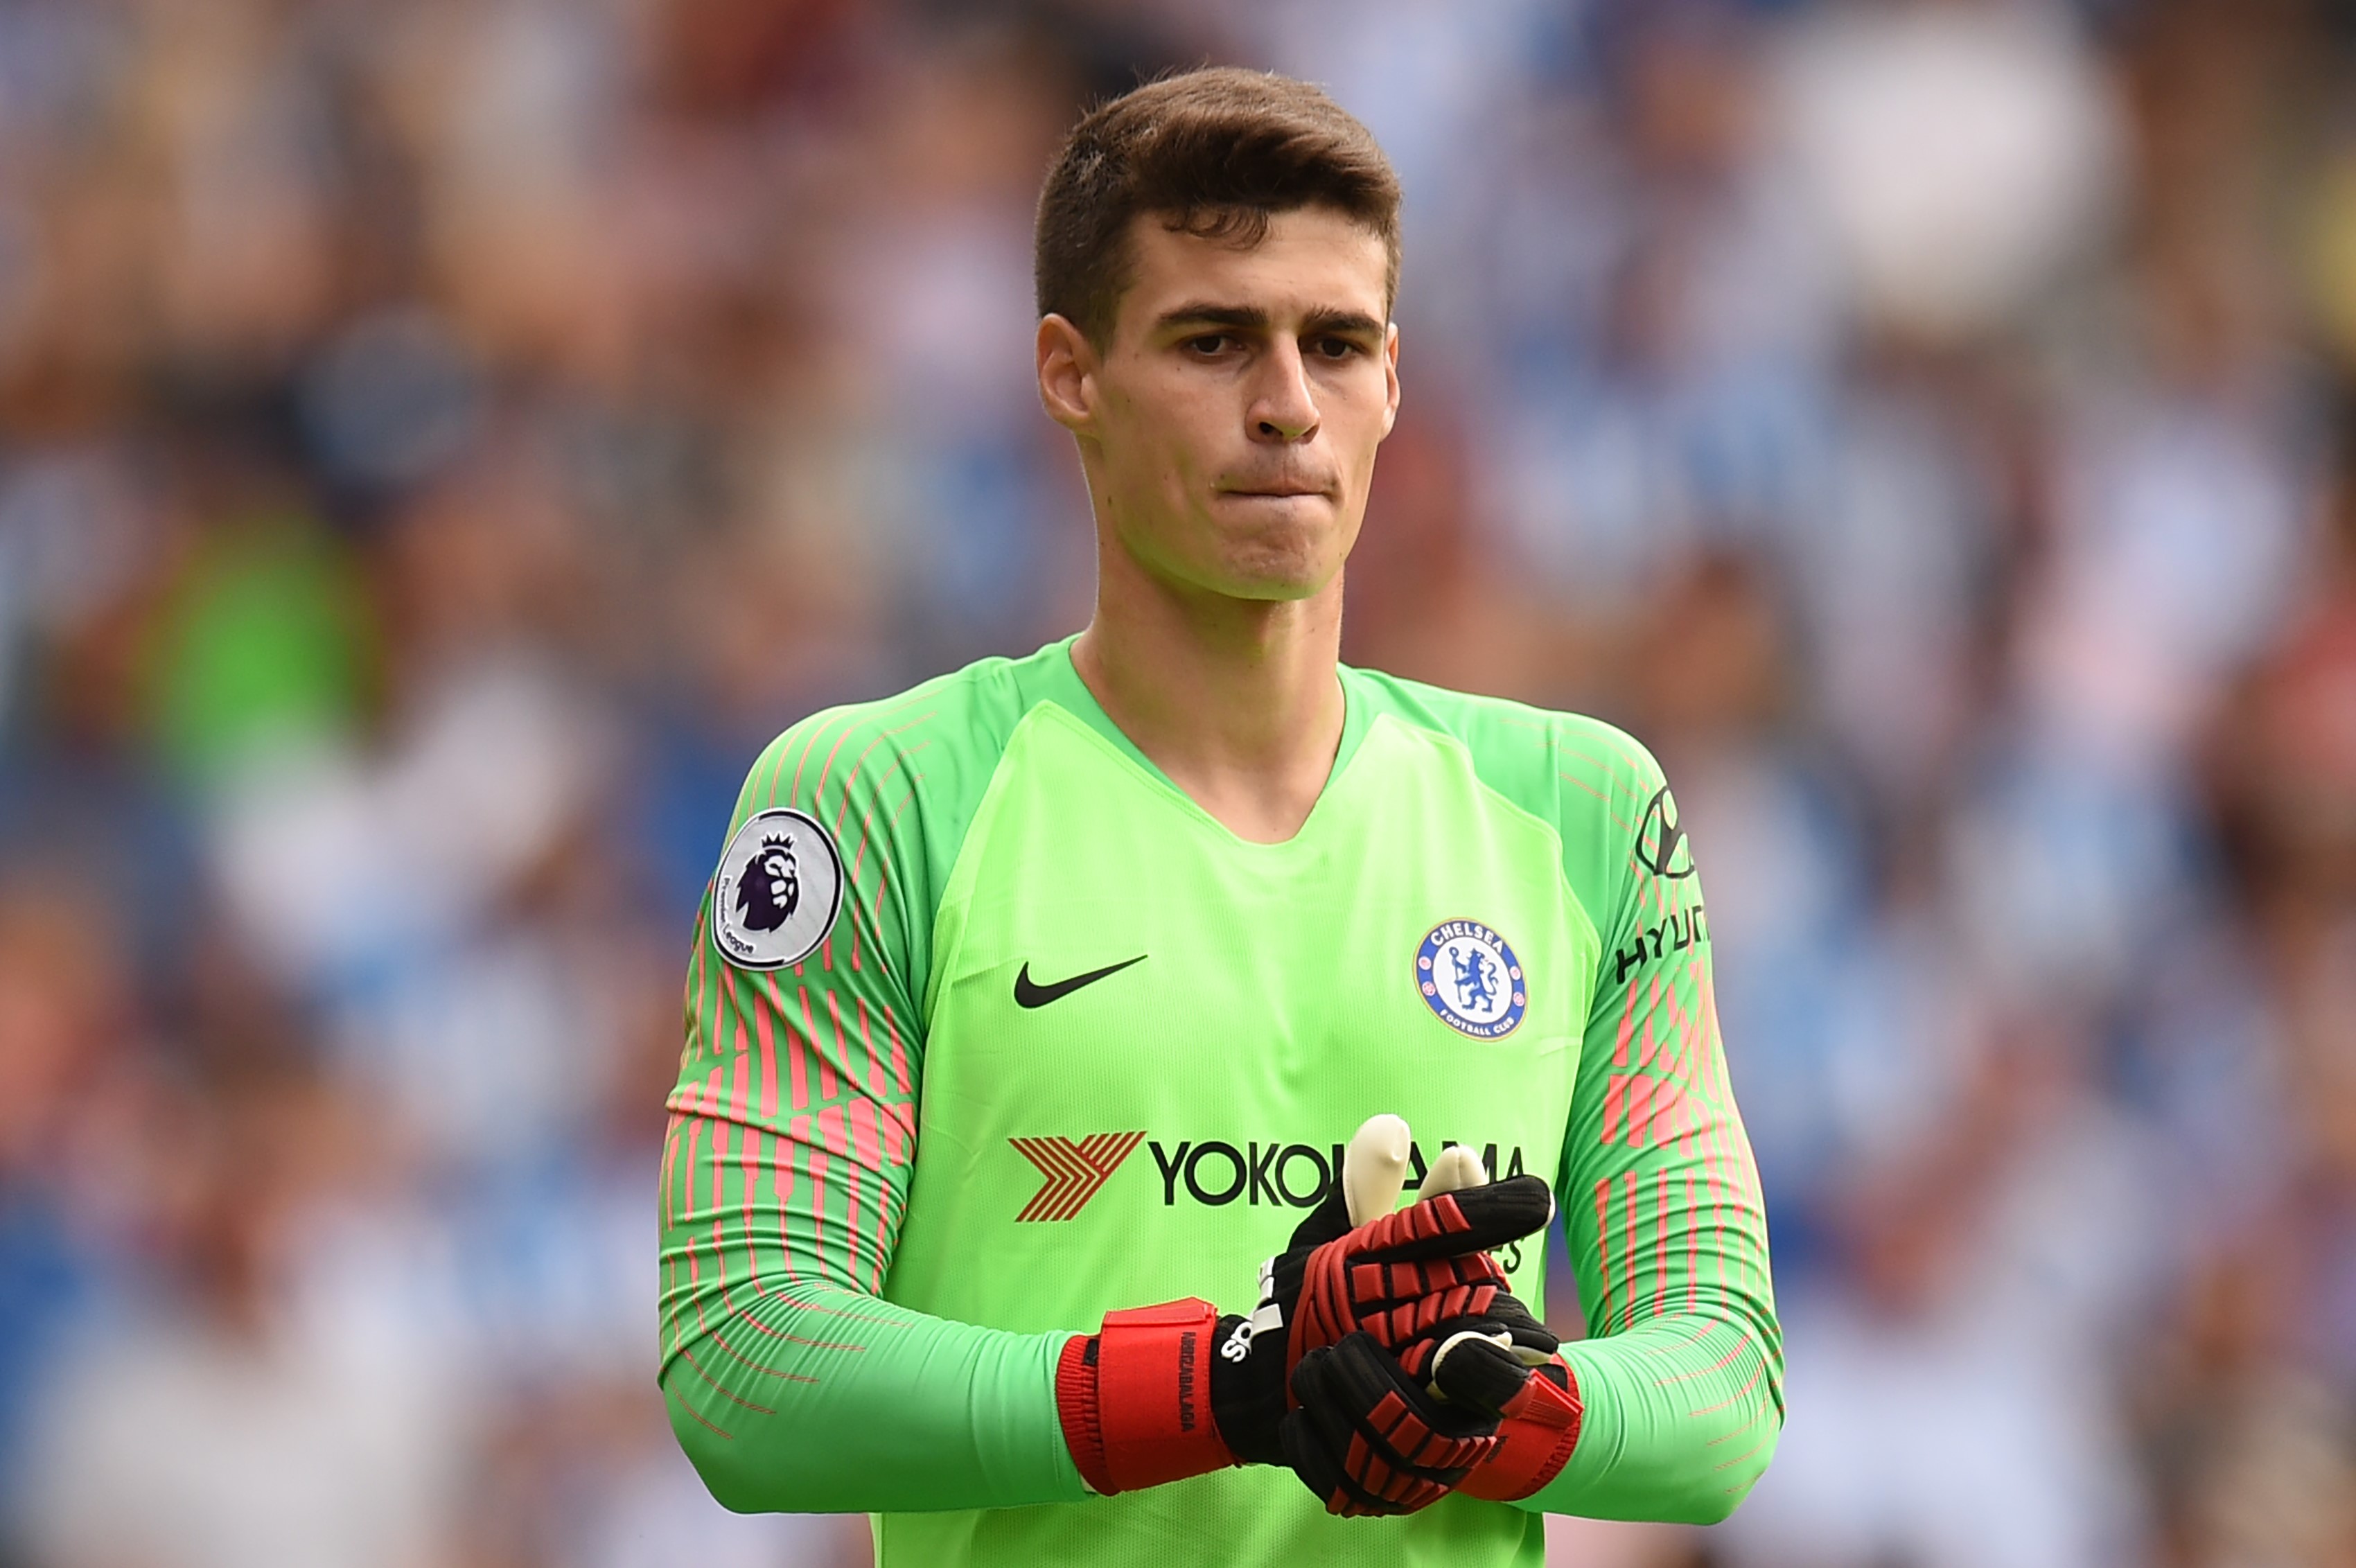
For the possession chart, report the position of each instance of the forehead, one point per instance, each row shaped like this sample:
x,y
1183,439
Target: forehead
x,y
1312,259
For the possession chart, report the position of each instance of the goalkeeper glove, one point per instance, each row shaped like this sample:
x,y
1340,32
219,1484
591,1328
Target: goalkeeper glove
x,y
1516,1378
1409,1279
1370,1438
1131,1396
1537,1410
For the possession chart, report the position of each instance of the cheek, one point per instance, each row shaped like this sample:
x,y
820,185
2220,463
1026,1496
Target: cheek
x,y
1360,414
1155,443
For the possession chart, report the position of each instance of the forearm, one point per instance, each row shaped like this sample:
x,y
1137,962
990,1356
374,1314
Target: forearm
x,y
1681,1415
793,1386
827,1400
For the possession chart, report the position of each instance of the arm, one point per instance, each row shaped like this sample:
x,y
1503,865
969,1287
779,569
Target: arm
x,y
1682,1381
791,1383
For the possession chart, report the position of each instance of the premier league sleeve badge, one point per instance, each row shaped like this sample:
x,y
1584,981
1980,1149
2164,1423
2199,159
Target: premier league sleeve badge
x,y
779,890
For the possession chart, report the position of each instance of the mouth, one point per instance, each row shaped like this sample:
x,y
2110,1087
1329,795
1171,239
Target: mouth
x,y
1279,492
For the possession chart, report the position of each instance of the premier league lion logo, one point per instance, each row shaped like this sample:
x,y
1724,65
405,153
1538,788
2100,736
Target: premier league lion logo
x,y
769,887
778,889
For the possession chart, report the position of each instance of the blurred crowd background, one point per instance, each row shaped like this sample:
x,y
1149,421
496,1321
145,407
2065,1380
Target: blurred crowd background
x,y
442,440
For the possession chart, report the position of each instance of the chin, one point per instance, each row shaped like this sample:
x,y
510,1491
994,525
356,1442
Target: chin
x,y
1273,589
1280,570
1271,553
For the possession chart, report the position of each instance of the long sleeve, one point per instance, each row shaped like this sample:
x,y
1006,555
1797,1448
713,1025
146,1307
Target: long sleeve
x,y
1683,1376
792,1384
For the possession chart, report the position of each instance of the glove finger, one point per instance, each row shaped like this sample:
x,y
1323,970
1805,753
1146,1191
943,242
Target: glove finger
x,y
1441,1313
1454,1169
1374,1168
1479,1375
1413,1339
1373,1284
1311,1454
1475,1221
1329,1222
1325,1470
1359,1379
1386,1445
1399,1301
1321,1436
1508,1312
1374,1165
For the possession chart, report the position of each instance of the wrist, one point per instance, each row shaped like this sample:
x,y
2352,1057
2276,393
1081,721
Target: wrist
x,y
1247,1395
1537,1432
1135,1397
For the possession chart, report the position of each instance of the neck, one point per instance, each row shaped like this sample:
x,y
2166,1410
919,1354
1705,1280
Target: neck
x,y
1236,700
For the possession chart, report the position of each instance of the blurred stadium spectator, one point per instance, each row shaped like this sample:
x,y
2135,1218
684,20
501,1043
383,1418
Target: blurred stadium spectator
x,y
442,440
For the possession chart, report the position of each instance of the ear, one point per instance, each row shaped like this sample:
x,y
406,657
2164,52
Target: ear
x,y
1390,378
1067,373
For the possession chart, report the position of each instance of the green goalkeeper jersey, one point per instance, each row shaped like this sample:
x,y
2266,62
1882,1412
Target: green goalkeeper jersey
x,y
991,1029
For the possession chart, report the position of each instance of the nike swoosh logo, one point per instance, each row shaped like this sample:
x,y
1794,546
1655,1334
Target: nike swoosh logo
x,y
1027,995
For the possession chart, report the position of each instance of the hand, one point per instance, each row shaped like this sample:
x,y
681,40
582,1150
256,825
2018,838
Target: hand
x,y
1369,1438
1497,1418
1411,1279
1515,1377
1537,1408
1133,1397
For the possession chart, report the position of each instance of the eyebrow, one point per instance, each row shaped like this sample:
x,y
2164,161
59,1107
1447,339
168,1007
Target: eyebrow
x,y
1203,312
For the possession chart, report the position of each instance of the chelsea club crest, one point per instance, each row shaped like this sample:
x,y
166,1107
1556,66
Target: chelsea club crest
x,y
1470,980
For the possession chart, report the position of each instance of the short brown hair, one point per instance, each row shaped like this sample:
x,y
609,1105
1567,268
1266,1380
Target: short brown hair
x,y
1216,152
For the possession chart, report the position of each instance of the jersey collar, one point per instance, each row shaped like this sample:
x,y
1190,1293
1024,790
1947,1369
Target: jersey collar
x,y
1068,691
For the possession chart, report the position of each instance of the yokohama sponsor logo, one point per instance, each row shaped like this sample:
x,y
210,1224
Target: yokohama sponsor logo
x,y
1216,1173
1076,1169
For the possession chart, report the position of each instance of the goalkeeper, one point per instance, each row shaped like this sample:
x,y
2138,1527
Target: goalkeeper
x,y
1030,1011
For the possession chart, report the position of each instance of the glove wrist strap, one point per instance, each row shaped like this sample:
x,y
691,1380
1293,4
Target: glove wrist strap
x,y
1538,1430
1135,1397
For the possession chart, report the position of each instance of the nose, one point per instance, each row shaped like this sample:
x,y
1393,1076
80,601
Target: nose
x,y
1283,409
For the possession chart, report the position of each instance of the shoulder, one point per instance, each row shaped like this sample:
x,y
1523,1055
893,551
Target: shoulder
x,y
1570,768
940,738
861,807
1596,786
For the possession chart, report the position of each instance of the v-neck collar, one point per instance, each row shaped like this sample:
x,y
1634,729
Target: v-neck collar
x,y
1068,691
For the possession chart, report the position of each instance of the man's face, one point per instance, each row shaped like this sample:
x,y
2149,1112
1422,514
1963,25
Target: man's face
x,y
1231,423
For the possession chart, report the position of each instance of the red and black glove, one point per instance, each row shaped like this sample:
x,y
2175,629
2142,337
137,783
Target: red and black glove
x,y
1499,1370
1133,1395
1417,1278
1537,1409
1409,1279
1370,1438
1135,1398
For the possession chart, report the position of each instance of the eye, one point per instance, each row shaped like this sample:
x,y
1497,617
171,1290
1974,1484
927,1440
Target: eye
x,y
1335,347
1209,344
